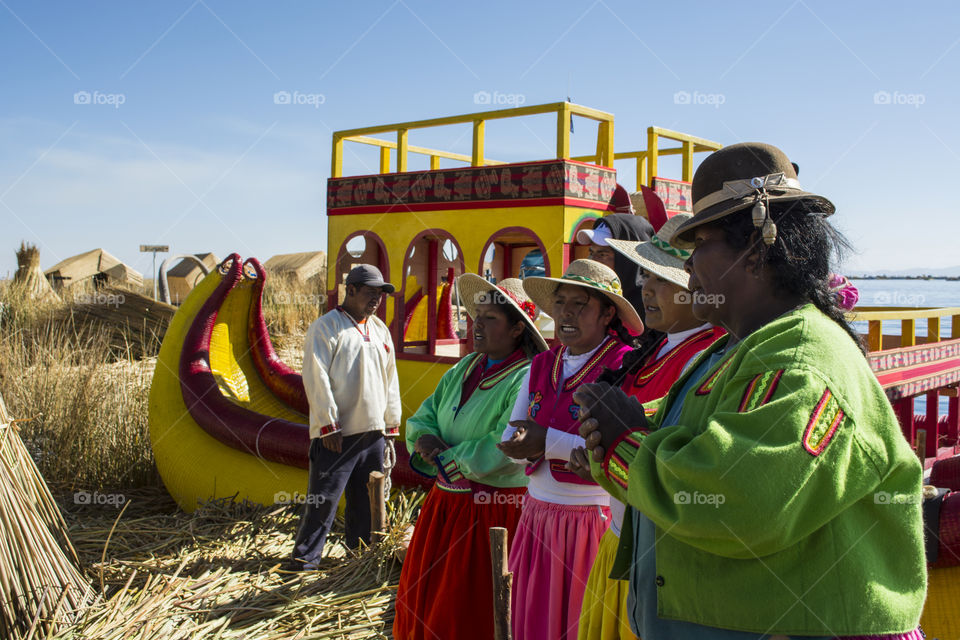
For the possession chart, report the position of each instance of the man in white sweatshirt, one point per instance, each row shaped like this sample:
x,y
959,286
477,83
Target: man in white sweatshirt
x,y
350,376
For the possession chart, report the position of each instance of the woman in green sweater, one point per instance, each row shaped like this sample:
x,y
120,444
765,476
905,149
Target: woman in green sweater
x,y
446,586
773,495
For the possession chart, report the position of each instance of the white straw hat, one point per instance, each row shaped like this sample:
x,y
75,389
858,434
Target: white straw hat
x,y
658,256
475,291
591,275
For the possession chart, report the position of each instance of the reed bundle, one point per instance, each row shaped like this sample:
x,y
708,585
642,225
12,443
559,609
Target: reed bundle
x,y
40,586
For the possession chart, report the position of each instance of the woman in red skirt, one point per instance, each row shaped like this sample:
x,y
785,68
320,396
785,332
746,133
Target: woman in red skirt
x,y
446,588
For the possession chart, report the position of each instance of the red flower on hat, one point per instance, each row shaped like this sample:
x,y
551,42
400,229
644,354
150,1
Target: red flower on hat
x,y
528,307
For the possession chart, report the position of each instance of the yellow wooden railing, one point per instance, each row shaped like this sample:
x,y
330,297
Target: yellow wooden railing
x,y
875,316
648,159
564,110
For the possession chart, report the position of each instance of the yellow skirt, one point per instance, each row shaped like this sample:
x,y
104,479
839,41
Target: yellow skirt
x,y
604,613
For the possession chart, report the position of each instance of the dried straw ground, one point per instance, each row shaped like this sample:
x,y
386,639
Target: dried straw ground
x,y
217,573
163,573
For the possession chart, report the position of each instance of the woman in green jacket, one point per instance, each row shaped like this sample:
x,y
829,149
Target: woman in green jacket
x,y
446,587
773,495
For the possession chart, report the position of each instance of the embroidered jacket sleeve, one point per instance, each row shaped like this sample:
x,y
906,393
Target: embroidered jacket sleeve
x,y
318,351
774,447
479,458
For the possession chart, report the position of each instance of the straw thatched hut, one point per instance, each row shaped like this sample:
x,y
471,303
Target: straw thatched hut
x,y
96,265
298,266
186,274
29,276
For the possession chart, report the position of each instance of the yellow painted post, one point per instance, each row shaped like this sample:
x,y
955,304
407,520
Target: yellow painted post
x,y
478,129
688,160
605,144
652,154
336,163
384,159
642,171
563,131
955,327
402,150
933,329
434,162
908,337
875,335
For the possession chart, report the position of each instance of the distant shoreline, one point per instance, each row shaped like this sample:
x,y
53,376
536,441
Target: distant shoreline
x,y
904,277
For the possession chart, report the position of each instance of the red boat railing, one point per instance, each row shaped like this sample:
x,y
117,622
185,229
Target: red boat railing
x,y
908,366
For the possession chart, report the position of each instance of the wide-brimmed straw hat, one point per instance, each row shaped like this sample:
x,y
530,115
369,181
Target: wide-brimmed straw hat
x,y
748,174
475,290
658,256
591,275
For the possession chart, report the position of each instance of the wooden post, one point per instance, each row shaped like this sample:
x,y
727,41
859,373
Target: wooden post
x,y
378,506
502,583
922,445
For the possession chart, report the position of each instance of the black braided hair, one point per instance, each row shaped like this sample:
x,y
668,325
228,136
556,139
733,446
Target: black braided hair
x,y
616,325
799,258
647,345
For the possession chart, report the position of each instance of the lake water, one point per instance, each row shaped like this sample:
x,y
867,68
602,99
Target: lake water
x,y
910,293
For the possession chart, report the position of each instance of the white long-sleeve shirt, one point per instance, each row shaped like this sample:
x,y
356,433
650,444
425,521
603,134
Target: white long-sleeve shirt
x,y
542,485
350,376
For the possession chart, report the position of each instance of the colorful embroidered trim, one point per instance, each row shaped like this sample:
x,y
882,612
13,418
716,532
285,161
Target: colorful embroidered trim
x,y
477,357
617,462
645,374
327,429
450,470
649,411
453,488
393,431
760,390
824,422
492,381
711,380
574,381
614,286
668,248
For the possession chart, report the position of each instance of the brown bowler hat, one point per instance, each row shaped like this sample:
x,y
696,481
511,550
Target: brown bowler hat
x,y
743,175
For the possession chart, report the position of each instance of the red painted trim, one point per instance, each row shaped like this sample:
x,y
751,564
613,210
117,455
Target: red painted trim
x,y
433,248
400,295
472,204
903,375
383,263
525,230
566,255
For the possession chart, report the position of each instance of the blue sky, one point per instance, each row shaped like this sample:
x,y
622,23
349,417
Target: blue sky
x,y
181,142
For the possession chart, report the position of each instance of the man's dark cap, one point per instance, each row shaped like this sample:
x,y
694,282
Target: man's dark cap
x,y
369,275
